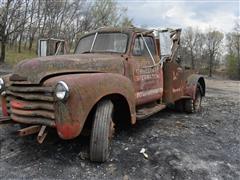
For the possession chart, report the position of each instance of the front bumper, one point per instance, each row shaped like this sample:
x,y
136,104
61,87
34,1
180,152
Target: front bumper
x,y
32,129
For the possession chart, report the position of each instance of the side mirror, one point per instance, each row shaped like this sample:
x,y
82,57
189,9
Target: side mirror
x,y
42,48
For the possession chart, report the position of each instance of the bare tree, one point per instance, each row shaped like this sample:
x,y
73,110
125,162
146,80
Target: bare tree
x,y
233,45
24,21
189,41
23,24
126,22
9,21
105,13
213,43
237,44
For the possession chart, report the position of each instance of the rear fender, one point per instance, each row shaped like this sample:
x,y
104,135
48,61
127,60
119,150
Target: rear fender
x,y
85,91
191,86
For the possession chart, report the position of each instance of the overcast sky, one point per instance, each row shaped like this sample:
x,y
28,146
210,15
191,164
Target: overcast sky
x,y
204,14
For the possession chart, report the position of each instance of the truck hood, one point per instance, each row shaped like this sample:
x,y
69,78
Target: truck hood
x,y
34,70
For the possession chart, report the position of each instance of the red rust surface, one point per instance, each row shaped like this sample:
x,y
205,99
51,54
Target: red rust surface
x,y
86,90
68,130
39,113
39,68
18,104
191,85
32,120
4,106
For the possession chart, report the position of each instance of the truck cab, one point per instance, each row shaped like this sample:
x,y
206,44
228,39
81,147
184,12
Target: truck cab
x,y
115,77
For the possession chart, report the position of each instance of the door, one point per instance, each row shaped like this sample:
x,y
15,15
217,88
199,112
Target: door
x,y
172,70
147,77
173,81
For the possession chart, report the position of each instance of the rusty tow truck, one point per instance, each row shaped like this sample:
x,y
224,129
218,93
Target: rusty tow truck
x,y
114,78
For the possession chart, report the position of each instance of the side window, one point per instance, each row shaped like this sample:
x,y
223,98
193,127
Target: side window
x,y
150,44
140,49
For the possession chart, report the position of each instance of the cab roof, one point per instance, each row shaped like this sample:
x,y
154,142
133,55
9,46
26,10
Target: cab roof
x,y
118,29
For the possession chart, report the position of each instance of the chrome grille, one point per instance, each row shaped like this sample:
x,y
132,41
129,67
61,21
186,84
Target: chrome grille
x,y
31,104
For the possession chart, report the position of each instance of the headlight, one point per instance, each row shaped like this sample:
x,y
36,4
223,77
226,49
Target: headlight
x,y
61,91
1,84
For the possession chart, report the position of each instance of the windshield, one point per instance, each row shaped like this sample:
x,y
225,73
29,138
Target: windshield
x,y
104,42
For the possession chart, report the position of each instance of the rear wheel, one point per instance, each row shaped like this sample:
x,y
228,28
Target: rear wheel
x,y
179,105
188,106
195,105
102,131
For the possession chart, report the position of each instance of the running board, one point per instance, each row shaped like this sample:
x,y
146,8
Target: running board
x,y
145,112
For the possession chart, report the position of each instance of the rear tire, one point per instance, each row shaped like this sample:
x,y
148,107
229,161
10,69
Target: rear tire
x,y
188,106
179,105
195,105
102,131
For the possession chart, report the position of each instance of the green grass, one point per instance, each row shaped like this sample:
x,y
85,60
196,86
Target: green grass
x,y
13,57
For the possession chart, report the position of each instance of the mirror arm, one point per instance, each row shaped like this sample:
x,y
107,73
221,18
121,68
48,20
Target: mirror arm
x,y
95,37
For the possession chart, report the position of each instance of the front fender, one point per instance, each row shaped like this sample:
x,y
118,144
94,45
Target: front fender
x,y
85,91
191,86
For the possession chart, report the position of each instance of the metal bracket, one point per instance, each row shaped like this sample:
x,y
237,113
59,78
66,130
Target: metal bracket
x,y
29,130
41,135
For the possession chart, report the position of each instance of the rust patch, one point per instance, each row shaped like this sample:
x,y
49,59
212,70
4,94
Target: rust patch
x,y
4,106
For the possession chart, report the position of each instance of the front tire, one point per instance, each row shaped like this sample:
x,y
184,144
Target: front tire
x,y
102,131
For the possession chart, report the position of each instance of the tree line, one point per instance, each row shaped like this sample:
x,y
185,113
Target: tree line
x,y
212,49
22,22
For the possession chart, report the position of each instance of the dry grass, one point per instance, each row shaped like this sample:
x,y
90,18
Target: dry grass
x,y
13,57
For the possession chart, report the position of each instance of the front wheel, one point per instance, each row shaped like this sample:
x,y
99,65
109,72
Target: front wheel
x,y
102,131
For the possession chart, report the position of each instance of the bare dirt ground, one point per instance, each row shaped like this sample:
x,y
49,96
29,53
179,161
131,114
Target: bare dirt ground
x,y
205,145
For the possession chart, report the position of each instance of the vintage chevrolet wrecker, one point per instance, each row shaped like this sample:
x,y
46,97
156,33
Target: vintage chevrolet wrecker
x,y
115,77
